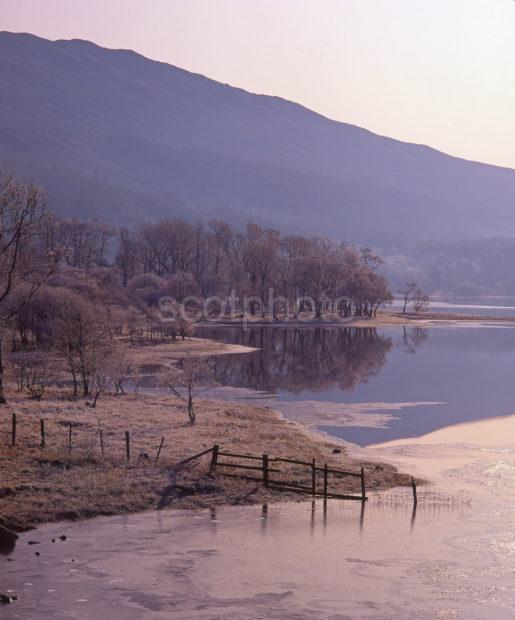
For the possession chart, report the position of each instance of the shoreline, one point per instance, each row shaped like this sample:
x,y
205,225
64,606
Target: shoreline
x,y
34,478
49,485
383,319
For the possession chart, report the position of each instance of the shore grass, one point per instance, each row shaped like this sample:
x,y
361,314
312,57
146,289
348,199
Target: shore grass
x,y
383,318
48,484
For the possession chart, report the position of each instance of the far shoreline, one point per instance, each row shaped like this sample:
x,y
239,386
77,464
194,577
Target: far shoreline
x,y
382,319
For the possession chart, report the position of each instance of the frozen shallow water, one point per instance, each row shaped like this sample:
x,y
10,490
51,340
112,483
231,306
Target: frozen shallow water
x,y
449,559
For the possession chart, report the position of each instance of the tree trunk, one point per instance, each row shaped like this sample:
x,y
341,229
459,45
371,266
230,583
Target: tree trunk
x,y
94,403
318,308
85,385
2,395
191,413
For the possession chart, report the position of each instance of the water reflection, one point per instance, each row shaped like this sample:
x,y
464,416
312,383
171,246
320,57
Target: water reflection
x,y
413,337
323,512
458,374
298,359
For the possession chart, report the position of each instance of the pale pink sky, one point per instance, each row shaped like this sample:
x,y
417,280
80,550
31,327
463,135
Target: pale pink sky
x,y
438,72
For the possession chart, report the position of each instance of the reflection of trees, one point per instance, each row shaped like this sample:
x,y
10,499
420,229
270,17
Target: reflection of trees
x,y
413,337
306,358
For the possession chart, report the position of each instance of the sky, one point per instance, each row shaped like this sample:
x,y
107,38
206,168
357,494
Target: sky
x,y
436,72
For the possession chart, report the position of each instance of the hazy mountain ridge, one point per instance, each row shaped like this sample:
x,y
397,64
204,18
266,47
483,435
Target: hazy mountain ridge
x,y
119,136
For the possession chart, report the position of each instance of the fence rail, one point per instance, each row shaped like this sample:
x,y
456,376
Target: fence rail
x,y
286,485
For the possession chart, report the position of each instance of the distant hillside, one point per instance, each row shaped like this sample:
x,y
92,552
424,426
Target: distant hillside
x,y
117,136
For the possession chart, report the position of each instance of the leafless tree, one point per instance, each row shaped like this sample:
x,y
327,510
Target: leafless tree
x,y
371,258
135,321
84,244
25,256
99,383
192,377
19,364
420,300
39,374
408,294
81,339
119,367
127,256
31,370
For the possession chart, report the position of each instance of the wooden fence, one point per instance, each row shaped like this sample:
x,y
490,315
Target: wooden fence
x,y
267,466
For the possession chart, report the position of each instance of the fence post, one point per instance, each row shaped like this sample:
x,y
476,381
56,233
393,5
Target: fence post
x,y
325,481
128,445
101,434
414,488
265,470
363,490
70,439
42,426
159,451
214,457
313,477
13,435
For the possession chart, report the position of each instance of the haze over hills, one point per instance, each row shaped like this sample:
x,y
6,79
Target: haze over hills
x,y
116,136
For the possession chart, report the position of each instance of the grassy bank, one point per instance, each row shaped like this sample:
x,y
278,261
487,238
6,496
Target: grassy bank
x,y
47,484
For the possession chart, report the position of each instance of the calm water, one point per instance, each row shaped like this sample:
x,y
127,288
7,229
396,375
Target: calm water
x,y
470,371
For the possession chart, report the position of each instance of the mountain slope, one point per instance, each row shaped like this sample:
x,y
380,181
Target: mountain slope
x,y
115,135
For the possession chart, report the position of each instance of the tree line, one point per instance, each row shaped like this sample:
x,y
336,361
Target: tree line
x,y
69,289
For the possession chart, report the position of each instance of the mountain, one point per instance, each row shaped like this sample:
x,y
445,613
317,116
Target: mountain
x,y
117,136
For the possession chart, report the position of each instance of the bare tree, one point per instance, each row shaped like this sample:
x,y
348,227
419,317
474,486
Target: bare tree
x,y
119,368
135,321
127,255
81,339
25,257
39,375
31,370
188,381
408,294
99,383
371,258
420,300
84,244
19,364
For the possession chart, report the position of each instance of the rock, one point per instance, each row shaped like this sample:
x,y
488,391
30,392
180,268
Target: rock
x,y
7,599
33,542
63,537
144,456
54,463
8,540
185,490
37,553
336,451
